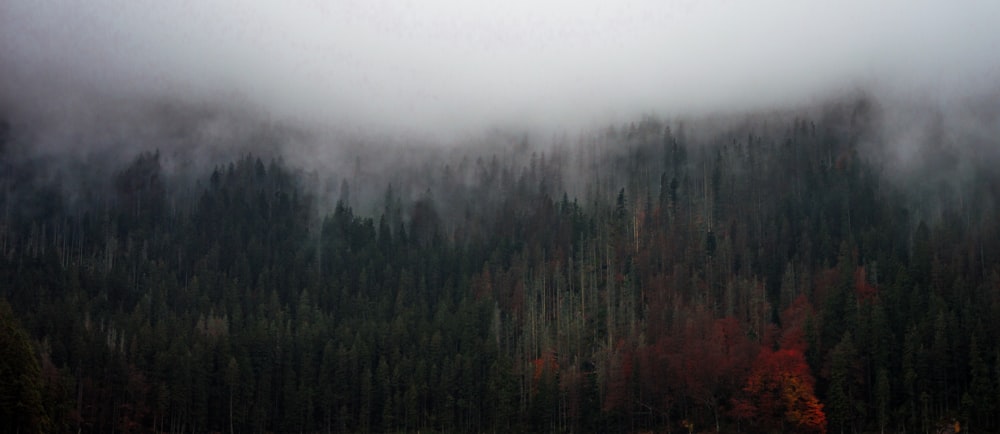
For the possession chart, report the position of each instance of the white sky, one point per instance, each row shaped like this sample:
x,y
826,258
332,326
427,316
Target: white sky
x,y
464,65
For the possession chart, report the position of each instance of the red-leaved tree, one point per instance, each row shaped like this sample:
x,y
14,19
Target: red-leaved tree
x,y
779,394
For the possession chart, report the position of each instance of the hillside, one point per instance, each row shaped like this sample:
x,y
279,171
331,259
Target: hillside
x,y
754,273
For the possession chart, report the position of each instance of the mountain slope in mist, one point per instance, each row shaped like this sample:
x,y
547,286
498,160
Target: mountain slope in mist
x,y
829,268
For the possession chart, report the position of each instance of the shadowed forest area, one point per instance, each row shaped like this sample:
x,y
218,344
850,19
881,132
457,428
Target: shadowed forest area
x,y
766,275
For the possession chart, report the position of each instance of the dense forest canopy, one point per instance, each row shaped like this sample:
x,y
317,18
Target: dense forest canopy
x,y
811,270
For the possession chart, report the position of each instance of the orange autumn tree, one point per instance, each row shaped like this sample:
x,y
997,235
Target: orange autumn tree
x,y
778,394
544,392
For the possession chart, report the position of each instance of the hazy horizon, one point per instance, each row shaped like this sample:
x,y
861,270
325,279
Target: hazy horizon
x,y
442,68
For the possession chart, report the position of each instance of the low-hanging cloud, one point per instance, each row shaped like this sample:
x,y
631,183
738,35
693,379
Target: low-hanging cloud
x,y
446,66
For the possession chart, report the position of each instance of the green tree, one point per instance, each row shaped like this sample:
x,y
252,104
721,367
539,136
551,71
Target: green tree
x,y
883,398
20,378
842,394
981,389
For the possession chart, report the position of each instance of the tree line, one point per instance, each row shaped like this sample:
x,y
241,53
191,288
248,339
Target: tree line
x,y
756,278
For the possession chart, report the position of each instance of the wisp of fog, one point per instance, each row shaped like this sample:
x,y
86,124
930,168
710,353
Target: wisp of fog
x,y
440,67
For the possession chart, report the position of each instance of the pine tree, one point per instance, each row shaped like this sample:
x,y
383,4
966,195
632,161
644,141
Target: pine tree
x,y
883,398
842,391
981,389
20,378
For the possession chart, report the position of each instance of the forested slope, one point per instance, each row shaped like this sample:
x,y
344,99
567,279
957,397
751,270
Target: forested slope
x,y
762,275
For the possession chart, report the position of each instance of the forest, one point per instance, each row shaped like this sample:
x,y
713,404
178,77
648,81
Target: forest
x,y
767,273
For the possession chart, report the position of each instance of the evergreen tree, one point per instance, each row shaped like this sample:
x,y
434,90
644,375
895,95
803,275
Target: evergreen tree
x,y
20,378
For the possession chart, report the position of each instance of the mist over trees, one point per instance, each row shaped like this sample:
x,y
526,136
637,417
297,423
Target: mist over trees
x,y
773,272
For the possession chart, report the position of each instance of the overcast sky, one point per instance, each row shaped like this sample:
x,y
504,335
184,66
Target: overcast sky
x,y
435,65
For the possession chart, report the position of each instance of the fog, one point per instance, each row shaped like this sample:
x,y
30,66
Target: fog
x,y
447,68
379,92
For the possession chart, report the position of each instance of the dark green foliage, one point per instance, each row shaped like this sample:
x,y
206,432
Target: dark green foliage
x,y
487,296
20,378
841,395
981,393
